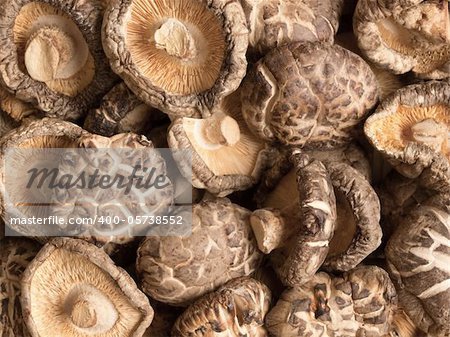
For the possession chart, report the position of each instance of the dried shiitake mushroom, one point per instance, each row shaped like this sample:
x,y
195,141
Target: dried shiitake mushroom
x,y
236,309
52,55
6,123
299,223
308,94
179,269
405,35
224,156
360,303
121,111
14,107
181,57
15,255
418,258
72,288
23,202
273,23
418,113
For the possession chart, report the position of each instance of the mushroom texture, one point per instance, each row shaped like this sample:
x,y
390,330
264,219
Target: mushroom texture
x,y
273,23
31,141
181,57
121,111
412,126
219,153
308,94
405,35
360,303
14,107
418,254
179,269
236,309
15,255
52,55
74,289
6,123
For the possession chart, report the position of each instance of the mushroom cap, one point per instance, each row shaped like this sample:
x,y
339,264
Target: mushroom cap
x,y
192,56
361,303
308,94
72,288
28,29
273,23
414,114
41,134
15,255
221,166
417,255
178,269
404,35
235,309
121,111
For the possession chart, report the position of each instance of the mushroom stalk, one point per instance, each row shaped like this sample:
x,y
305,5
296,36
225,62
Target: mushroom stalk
x,y
270,229
431,133
176,39
219,129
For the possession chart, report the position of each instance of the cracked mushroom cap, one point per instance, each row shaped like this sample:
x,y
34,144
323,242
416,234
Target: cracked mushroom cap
x,y
15,255
308,94
273,23
405,35
121,111
299,229
41,134
179,269
235,309
418,254
360,303
181,57
223,155
74,289
52,55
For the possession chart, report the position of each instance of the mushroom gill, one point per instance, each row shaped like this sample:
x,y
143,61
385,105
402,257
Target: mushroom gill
x,y
52,49
179,46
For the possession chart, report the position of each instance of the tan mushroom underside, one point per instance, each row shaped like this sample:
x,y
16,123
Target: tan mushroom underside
x,y
178,45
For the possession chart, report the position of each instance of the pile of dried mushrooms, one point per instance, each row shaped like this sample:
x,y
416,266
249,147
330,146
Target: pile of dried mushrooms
x,y
320,169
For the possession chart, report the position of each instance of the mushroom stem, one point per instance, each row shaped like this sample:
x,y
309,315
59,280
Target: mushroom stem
x,y
220,129
270,229
431,133
90,310
176,39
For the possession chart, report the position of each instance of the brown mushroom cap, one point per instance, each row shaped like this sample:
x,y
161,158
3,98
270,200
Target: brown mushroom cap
x,y
121,111
404,35
15,255
417,113
235,309
225,155
361,303
181,58
310,95
179,269
273,23
72,288
418,258
52,56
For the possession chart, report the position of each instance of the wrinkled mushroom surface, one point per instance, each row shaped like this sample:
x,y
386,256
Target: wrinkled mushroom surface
x,y
74,289
308,94
179,269
181,57
121,111
405,35
236,309
360,303
52,55
15,255
14,107
273,23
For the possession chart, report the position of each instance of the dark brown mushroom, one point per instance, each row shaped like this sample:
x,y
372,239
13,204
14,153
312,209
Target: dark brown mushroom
x,y
181,57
